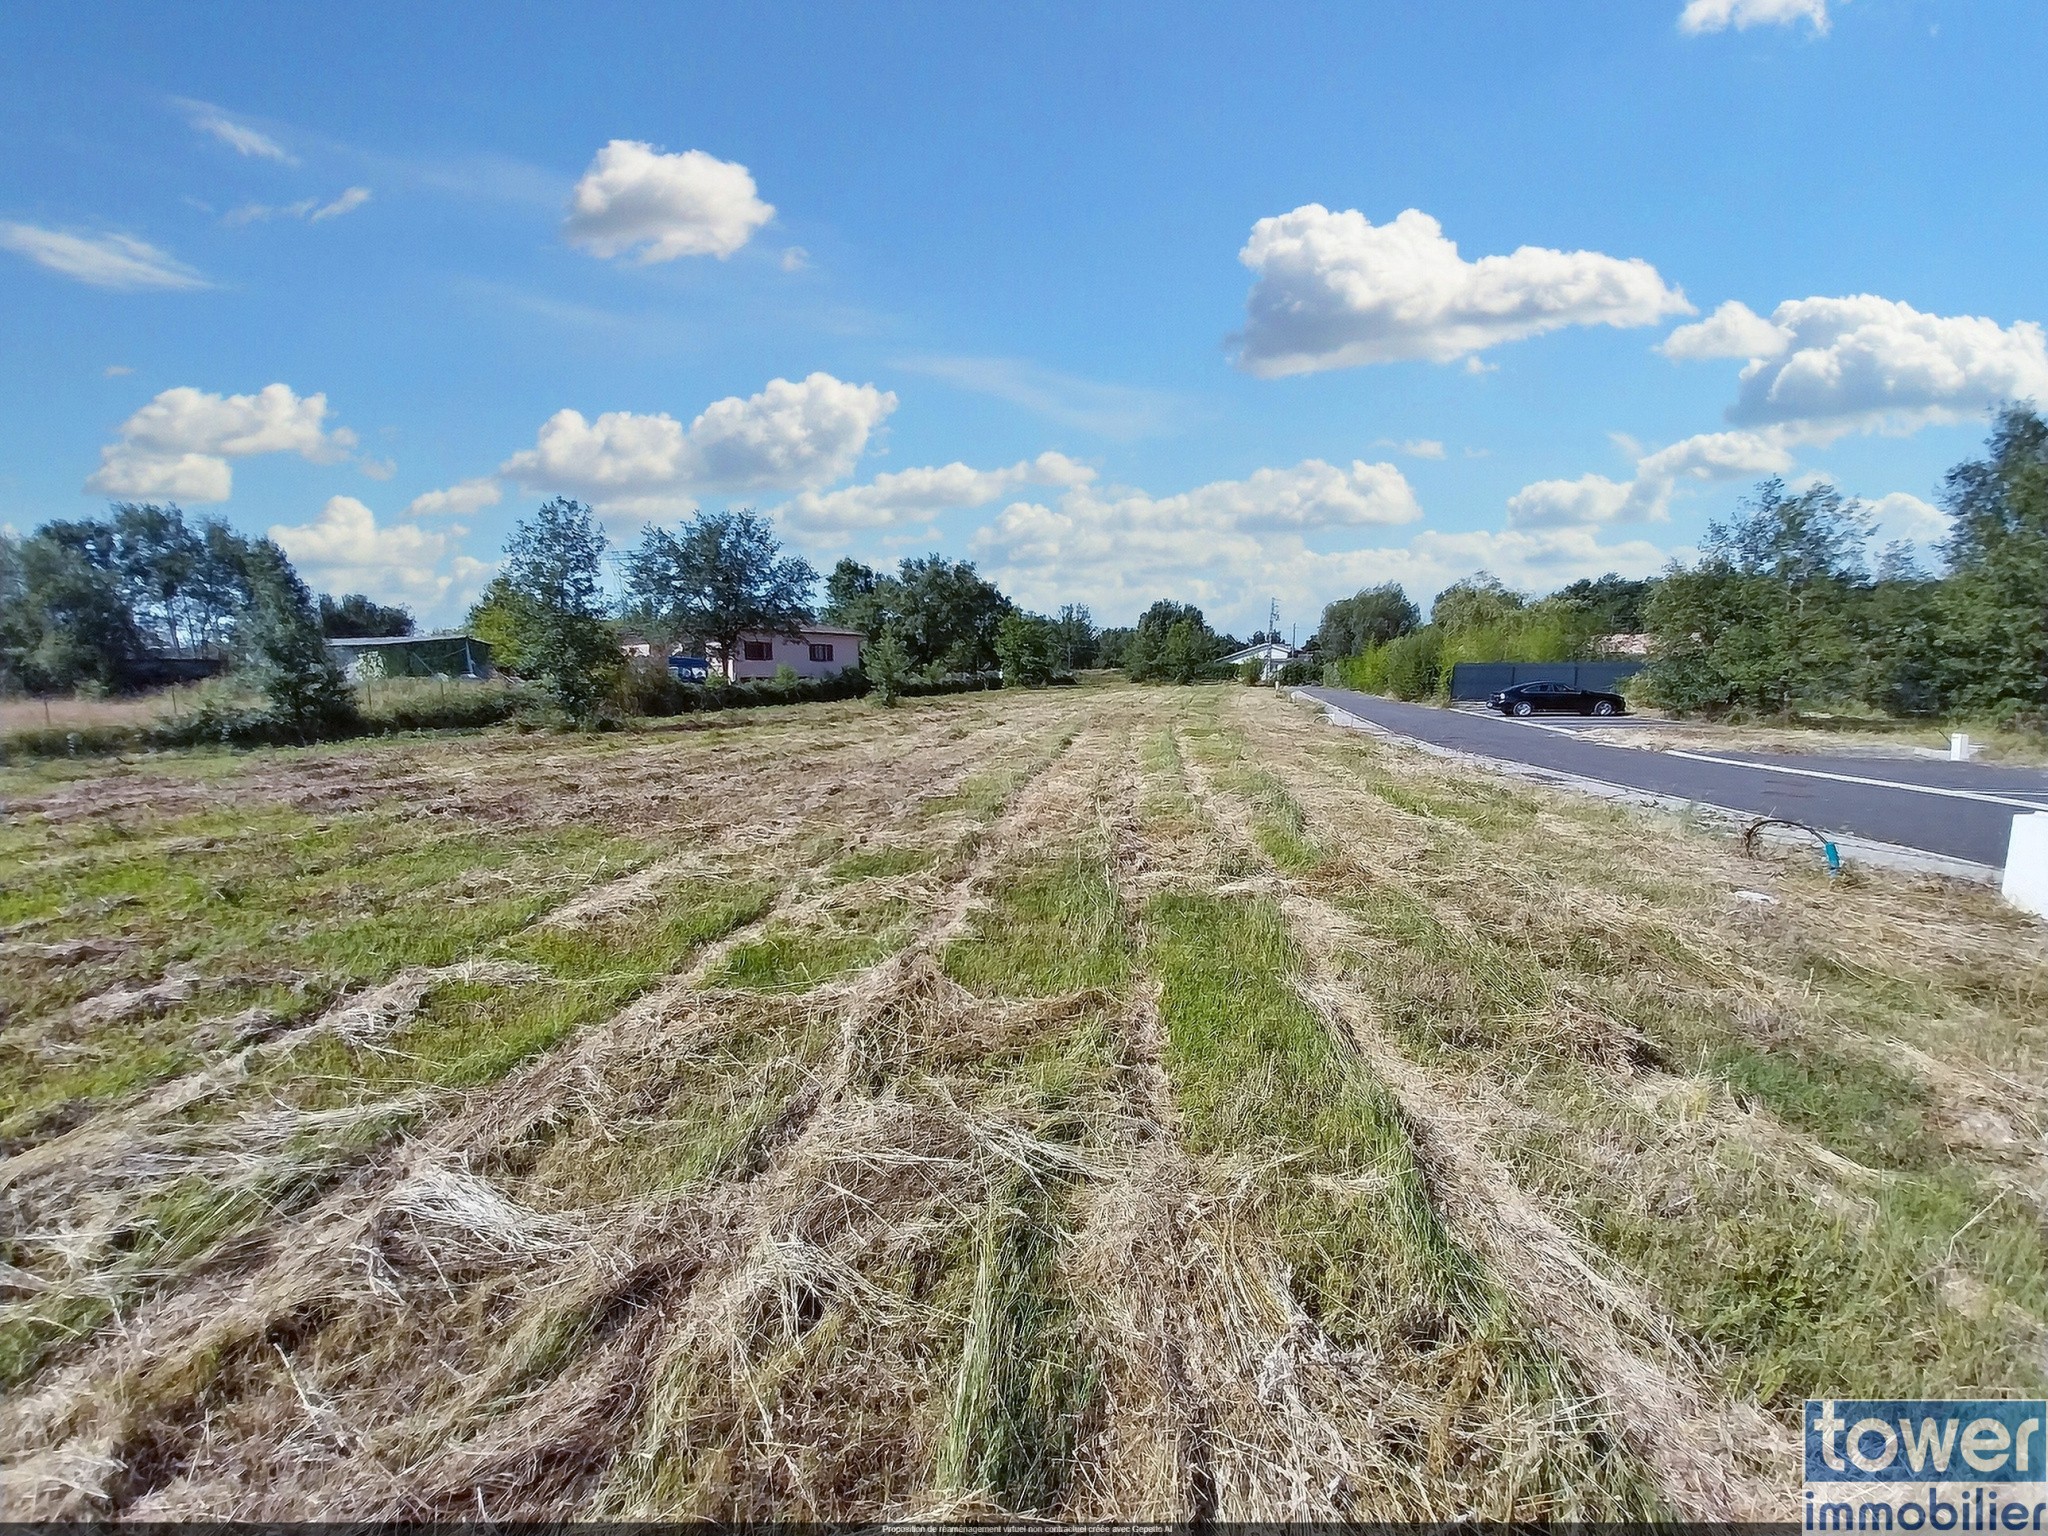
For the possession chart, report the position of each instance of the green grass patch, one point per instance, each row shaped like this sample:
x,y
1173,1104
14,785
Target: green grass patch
x,y
469,1033
1048,929
1442,989
1025,1378
1801,1298
982,795
787,958
882,863
267,909
1854,1104
1261,1084
1254,1072
465,1034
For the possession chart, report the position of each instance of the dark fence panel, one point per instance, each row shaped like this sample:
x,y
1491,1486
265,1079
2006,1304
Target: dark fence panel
x,y
1479,679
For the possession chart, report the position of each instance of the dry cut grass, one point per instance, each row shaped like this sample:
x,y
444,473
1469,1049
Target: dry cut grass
x,y
1099,1104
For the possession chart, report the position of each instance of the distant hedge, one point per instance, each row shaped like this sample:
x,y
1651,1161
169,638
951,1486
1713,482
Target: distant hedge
x,y
659,693
461,706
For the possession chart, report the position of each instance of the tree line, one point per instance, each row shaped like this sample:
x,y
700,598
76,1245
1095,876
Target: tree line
x,y
1787,607
722,575
100,603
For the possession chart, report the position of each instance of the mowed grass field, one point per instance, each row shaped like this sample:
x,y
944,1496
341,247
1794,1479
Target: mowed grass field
x,y
1098,1103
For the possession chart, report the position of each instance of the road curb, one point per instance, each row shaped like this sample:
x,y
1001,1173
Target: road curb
x,y
1912,861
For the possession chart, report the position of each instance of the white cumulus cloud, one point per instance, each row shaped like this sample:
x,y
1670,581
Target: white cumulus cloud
x,y
918,495
1719,15
1902,515
180,443
458,500
793,435
634,198
1707,457
345,550
1823,367
1231,545
1733,330
1334,290
104,261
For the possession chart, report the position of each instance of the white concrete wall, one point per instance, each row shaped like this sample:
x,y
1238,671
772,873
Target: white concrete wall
x,y
796,654
2026,863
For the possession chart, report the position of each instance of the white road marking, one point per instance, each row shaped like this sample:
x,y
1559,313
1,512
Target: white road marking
x,y
1850,778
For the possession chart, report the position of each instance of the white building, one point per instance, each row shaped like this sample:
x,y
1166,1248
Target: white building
x,y
817,650
1271,652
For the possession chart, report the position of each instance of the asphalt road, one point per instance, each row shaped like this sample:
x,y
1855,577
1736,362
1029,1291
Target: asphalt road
x,y
1914,803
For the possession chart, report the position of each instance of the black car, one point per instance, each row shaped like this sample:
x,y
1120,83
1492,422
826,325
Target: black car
x,y
1530,698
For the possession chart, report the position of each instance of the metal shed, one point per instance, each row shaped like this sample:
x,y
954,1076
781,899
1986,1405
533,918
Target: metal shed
x,y
366,660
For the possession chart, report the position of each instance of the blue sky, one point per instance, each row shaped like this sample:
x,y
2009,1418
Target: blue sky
x,y
1220,303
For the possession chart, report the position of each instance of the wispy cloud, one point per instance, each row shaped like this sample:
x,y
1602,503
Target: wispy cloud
x,y
104,261
1121,411
348,202
311,209
239,137
1414,447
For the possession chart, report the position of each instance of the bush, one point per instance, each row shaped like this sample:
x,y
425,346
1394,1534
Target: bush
x,y
73,741
1028,649
1298,673
1251,673
430,706
1412,664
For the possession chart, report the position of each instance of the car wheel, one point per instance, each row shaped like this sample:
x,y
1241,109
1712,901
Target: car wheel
x,y
1603,707
1524,707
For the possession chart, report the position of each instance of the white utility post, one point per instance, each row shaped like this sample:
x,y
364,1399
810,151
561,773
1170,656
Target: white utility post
x,y
2026,863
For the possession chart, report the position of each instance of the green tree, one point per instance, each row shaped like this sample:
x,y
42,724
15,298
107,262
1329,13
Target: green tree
x,y
218,592
721,576
944,612
65,622
1353,625
503,619
1899,635
1767,617
1141,655
285,653
1479,601
1612,603
157,561
1185,651
948,614
1028,648
1075,629
1110,645
886,661
553,565
850,597
1991,641
357,616
1413,665
1171,643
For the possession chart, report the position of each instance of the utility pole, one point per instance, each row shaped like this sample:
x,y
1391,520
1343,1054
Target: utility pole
x,y
1273,621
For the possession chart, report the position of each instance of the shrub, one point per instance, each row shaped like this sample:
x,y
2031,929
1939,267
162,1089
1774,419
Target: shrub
x,y
1028,649
1251,673
1412,670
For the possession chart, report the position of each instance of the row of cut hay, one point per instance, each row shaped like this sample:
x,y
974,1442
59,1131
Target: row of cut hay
x,y
299,1273
1577,994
